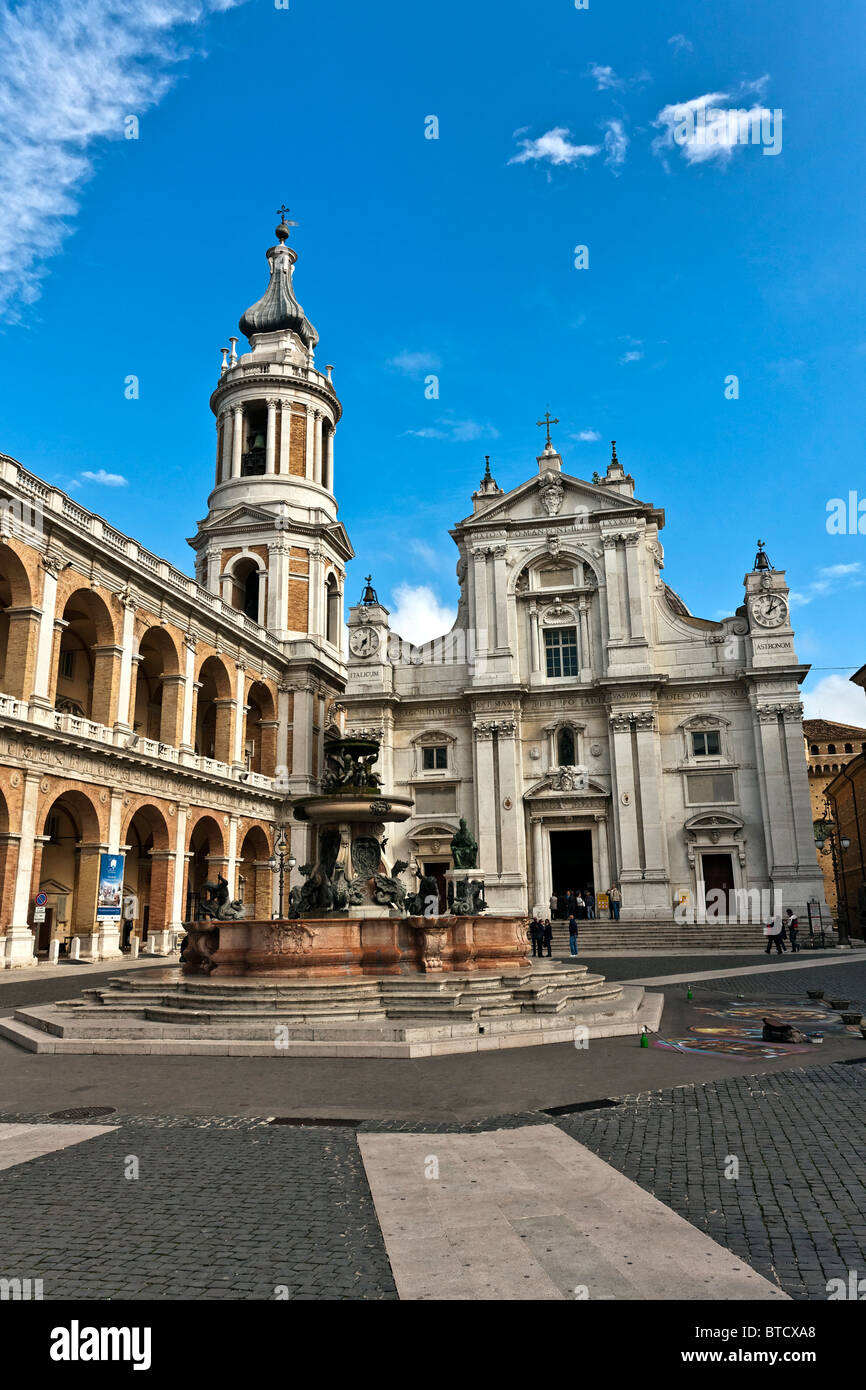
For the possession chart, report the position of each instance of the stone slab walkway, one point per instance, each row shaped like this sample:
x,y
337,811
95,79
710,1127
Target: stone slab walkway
x,y
525,1214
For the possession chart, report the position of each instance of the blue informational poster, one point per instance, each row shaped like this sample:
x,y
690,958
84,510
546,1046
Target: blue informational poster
x,y
110,894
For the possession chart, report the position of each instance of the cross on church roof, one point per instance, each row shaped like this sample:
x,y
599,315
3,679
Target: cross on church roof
x,y
283,229
547,421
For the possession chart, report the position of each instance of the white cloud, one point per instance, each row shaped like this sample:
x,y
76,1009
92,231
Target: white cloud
x,y
105,479
605,78
615,144
555,147
587,437
829,580
680,44
413,362
835,698
455,431
705,129
418,615
72,72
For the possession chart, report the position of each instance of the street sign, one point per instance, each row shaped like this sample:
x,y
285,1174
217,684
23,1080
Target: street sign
x,y
41,899
39,912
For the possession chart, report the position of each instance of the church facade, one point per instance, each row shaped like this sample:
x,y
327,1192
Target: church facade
x,y
589,728
583,722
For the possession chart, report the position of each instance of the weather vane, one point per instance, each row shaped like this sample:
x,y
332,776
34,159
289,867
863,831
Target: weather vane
x,y
548,422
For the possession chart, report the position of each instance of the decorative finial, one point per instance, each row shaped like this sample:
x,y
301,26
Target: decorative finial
x,y
613,457
369,595
488,476
547,421
282,232
762,559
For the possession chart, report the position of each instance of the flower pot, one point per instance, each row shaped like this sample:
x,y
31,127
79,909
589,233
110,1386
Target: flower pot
x,y
851,1015
839,1003
815,993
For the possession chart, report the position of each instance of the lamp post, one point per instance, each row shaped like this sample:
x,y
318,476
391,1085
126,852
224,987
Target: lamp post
x,y
279,862
826,838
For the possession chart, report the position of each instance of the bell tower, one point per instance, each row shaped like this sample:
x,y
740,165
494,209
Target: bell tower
x,y
271,545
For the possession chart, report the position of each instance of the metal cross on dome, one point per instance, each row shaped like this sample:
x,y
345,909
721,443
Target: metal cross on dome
x,y
548,422
281,212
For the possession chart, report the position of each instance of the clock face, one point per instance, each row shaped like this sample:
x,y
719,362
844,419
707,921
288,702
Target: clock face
x,y
769,610
364,641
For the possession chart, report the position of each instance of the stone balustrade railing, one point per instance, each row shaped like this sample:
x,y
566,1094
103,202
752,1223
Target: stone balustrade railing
x,y
48,499
15,710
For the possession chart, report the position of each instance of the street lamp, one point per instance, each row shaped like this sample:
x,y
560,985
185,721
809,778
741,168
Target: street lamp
x,y
279,862
826,838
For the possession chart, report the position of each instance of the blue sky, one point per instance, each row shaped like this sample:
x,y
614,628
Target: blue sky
x,y
456,256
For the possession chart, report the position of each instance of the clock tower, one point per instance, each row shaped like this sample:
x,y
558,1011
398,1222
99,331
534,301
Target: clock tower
x,y
771,636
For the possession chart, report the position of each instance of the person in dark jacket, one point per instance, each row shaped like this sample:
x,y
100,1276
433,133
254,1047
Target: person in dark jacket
x,y
569,903
572,935
536,933
547,936
793,927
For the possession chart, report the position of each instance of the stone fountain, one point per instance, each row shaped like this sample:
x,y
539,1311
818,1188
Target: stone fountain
x,y
363,967
354,913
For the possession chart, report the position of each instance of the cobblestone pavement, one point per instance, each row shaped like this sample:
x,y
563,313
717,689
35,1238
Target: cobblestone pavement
x,y
219,1211
797,1210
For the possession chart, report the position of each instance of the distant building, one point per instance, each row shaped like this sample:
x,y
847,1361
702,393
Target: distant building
x,y
829,748
846,792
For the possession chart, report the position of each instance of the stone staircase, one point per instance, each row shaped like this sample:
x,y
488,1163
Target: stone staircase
x,y
395,1016
650,936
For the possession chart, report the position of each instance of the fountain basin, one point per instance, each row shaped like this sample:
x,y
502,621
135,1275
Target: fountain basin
x,y
347,945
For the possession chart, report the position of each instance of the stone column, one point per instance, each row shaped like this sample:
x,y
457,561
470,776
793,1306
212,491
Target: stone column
x,y
232,861
485,807
534,644
481,614
637,626
285,437
237,439
225,462
309,444
317,436
189,688
125,713
624,786
271,437
510,818
240,717
603,854
19,940
302,732
317,592
537,895
180,857
45,644
613,581
651,800
284,718
500,586
585,651
329,460
775,798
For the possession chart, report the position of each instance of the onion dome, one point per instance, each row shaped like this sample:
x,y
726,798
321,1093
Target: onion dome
x,y
278,310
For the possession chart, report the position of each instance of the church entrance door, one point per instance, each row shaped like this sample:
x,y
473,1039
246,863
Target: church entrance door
x,y
437,871
571,861
718,873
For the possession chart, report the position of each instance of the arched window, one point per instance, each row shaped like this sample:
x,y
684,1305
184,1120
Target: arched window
x,y
814,748
849,748
831,748
565,750
332,609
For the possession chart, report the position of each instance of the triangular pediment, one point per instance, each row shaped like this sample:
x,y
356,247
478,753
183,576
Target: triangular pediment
x,y
237,517
524,502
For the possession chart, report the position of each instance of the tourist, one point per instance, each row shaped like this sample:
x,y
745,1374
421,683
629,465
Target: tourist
x,y
536,933
589,899
774,931
614,897
793,927
547,936
569,903
572,935
580,907
554,903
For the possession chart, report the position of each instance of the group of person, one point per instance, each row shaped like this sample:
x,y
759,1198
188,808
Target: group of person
x,y
581,903
782,929
541,936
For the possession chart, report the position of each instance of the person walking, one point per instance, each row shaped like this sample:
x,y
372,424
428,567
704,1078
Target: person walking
x,y
572,935
589,899
793,927
774,935
614,897
547,936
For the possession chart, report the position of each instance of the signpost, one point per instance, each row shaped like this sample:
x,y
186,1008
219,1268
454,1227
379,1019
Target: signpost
x,y
108,902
